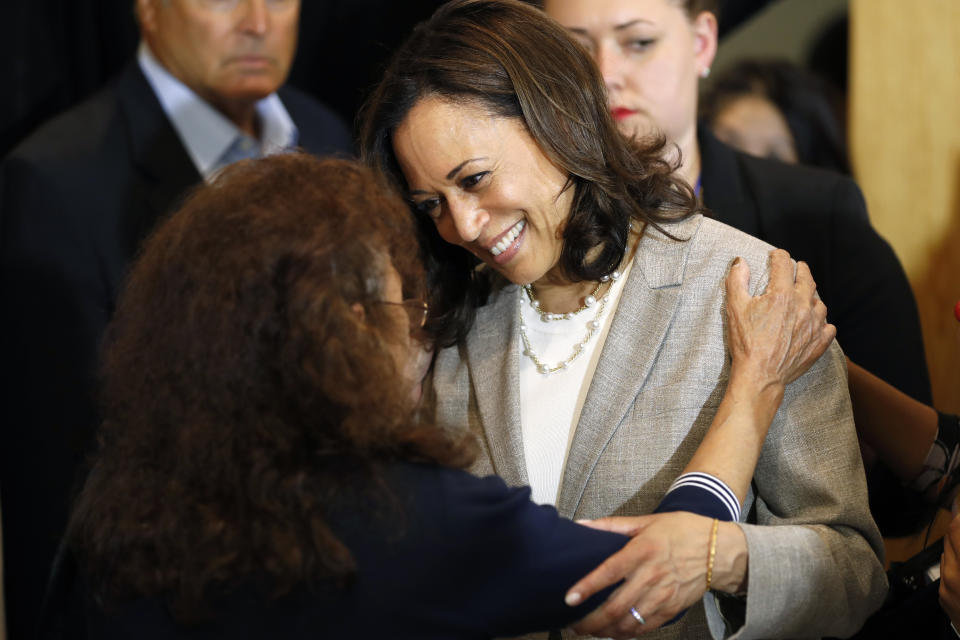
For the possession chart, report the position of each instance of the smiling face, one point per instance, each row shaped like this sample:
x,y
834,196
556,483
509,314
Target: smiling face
x,y
651,55
487,186
224,50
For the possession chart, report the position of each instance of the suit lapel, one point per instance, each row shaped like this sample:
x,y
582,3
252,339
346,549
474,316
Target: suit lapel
x,y
162,167
639,327
495,380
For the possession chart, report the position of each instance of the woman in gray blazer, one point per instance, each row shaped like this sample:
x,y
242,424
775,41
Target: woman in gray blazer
x,y
577,302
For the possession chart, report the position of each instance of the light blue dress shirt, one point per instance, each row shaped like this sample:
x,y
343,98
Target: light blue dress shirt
x,y
212,141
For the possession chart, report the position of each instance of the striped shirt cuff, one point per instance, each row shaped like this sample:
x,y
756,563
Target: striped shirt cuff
x,y
703,494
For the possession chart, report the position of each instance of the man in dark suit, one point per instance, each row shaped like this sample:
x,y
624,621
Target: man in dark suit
x,y
76,200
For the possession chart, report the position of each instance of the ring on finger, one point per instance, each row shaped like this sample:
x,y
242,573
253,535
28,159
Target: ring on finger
x,y
636,615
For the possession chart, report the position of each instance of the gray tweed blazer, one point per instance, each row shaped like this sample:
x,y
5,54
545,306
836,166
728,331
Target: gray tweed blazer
x,y
815,554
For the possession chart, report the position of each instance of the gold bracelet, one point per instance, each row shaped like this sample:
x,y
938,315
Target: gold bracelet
x,y
713,552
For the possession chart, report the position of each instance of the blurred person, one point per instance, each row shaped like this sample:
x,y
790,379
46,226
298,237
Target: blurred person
x,y
924,598
776,109
949,587
950,562
949,590
652,54
77,198
262,469
576,299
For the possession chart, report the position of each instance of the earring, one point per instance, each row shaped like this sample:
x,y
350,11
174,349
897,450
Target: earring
x,y
705,73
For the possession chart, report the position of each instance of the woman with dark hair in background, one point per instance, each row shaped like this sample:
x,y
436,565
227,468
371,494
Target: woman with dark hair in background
x,y
261,472
578,294
776,109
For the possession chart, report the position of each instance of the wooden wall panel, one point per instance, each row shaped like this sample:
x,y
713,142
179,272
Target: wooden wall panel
x,y
905,145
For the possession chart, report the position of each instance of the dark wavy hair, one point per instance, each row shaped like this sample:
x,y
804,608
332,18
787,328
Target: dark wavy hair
x,y
243,391
804,99
515,62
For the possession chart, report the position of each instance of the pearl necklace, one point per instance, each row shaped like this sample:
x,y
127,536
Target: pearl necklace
x,y
592,325
546,316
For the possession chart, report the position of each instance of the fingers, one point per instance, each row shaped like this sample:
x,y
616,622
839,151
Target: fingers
x,y
781,271
824,331
783,276
820,310
811,318
612,570
831,332
804,279
738,282
828,333
818,339
814,348
614,618
663,572
640,593
780,333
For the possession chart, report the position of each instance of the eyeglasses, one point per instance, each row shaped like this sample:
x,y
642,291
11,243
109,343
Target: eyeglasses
x,y
416,309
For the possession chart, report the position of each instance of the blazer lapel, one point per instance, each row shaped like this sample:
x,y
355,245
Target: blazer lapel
x,y
164,170
495,381
639,326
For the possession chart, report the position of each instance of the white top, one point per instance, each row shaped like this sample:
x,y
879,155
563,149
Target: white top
x,y
212,141
550,404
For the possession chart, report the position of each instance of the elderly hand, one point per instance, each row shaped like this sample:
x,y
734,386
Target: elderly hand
x,y
664,570
776,336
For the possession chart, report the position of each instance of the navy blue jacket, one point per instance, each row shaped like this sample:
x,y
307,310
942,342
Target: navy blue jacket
x,y
439,554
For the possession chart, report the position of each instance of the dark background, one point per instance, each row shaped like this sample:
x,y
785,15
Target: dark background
x,y
54,53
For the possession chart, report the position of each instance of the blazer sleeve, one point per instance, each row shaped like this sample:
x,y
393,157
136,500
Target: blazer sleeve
x,y
815,555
